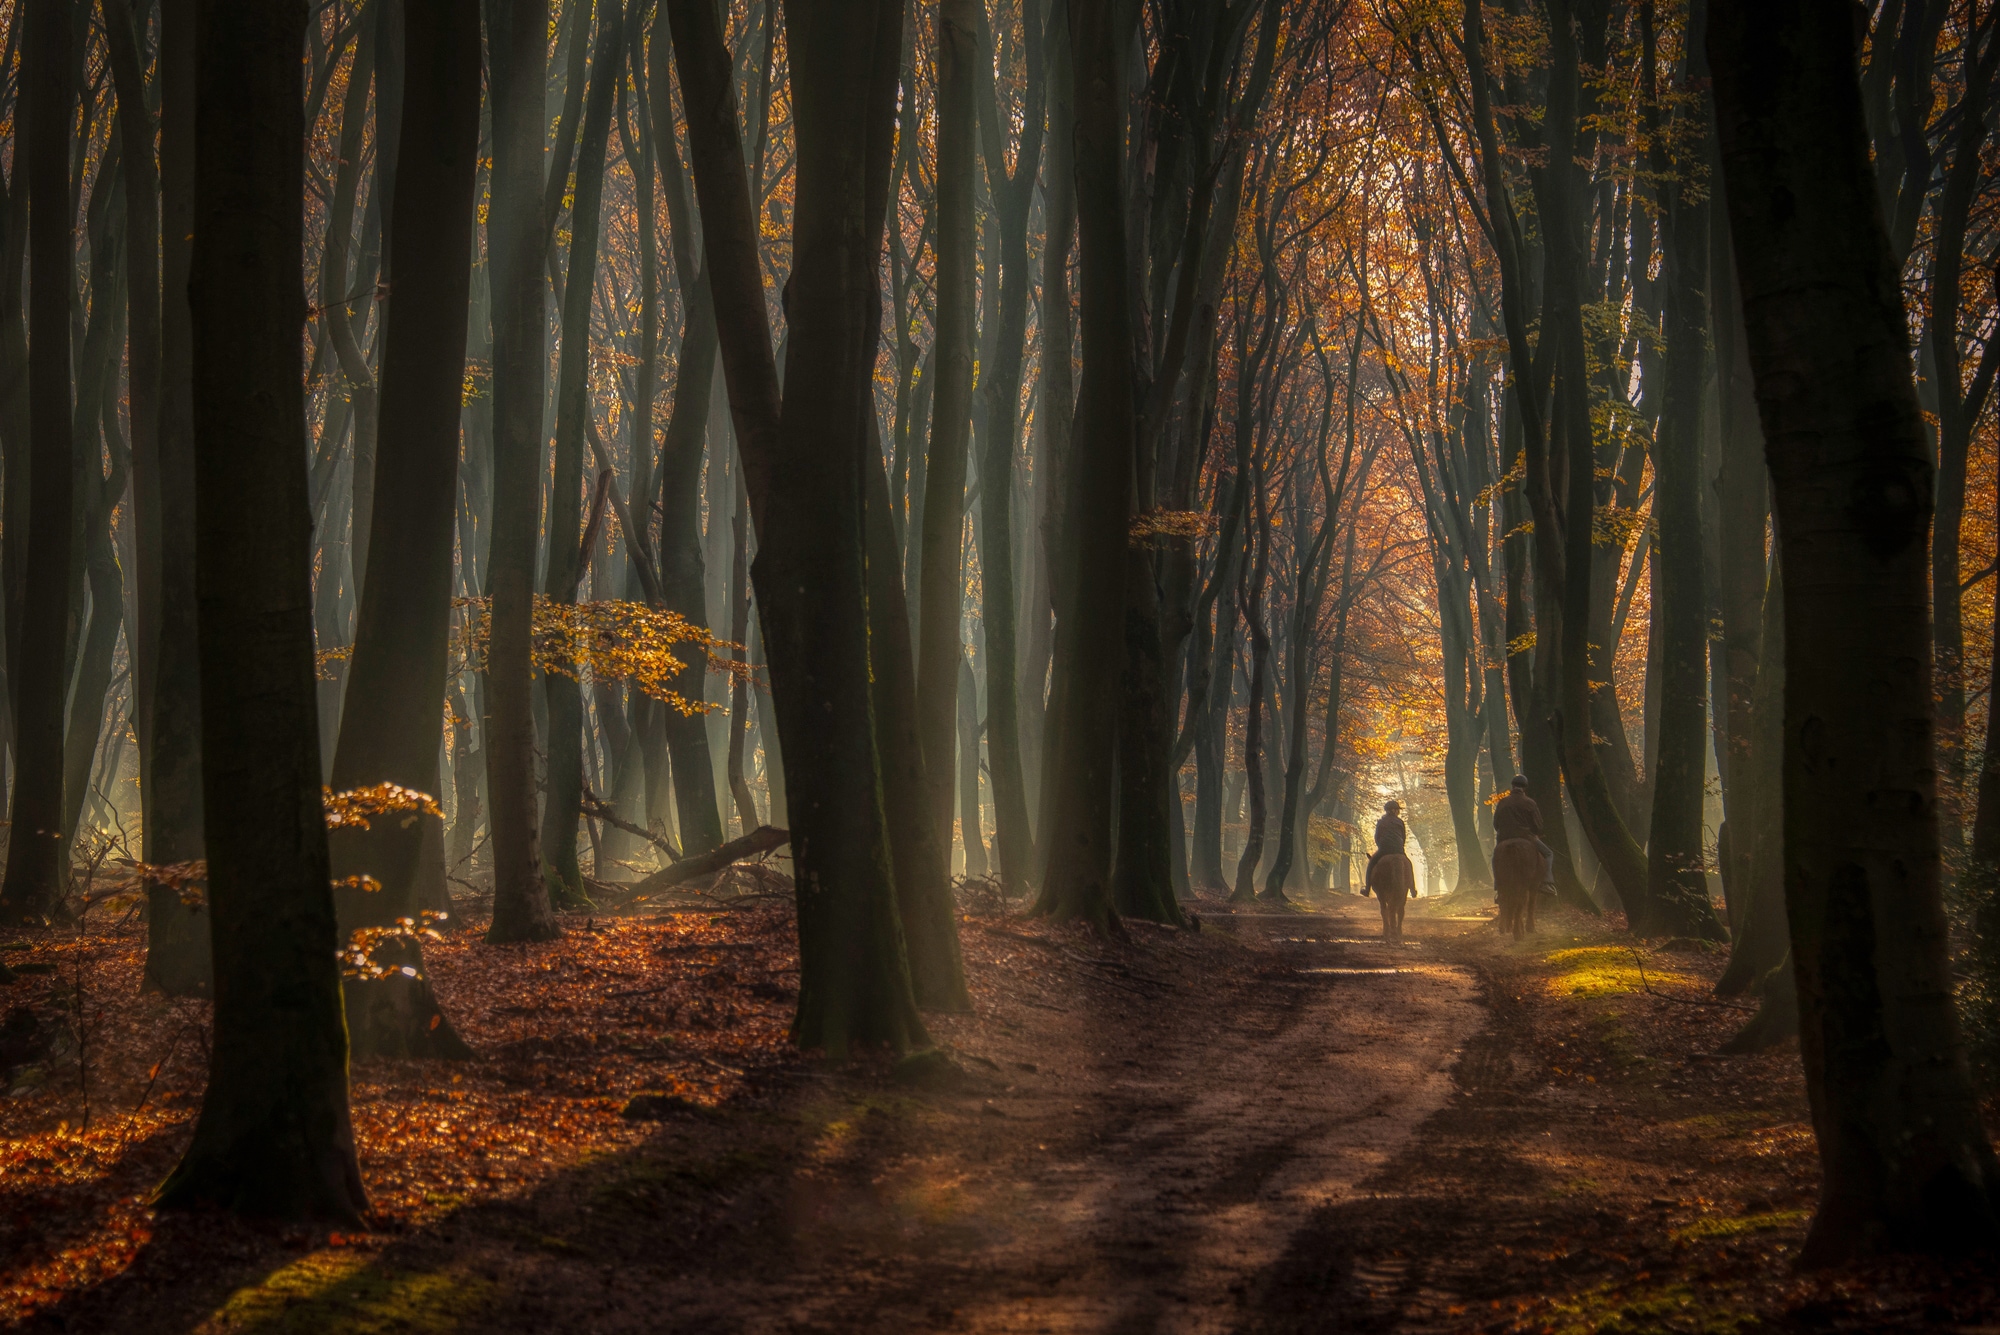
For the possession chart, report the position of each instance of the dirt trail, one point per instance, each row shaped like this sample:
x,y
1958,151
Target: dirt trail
x,y
1144,1178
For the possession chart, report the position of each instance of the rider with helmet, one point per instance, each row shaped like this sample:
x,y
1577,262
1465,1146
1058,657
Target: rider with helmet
x,y
1518,816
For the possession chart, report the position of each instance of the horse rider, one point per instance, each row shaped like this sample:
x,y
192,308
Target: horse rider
x,y
1390,834
1518,816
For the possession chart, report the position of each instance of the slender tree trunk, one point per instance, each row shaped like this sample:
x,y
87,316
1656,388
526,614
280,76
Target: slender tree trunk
x,y
1677,884
389,730
971,836
1904,1156
274,1136
518,39
922,860
941,595
739,633
562,809
35,874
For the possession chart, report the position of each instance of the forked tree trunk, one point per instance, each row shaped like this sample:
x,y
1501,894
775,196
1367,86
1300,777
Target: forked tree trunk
x,y
518,39
802,468
35,872
389,729
1905,1159
274,1136
854,982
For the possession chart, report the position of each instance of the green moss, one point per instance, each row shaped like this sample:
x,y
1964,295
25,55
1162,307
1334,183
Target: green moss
x,y
1736,1226
349,1293
1648,1311
1597,971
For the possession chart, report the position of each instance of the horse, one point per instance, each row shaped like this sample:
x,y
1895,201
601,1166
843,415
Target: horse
x,y
1517,877
1393,880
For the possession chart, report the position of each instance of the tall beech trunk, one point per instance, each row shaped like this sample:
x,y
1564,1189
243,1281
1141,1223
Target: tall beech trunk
x,y
921,858
274,1137
35,871
1000,390
1090,627
1905,1160
518,40
683,572
1760,944
804,458
1676,882
739,633
562,809
1744,502
854,983
166,673
941,594
339,296
389,730
971,835
1058,396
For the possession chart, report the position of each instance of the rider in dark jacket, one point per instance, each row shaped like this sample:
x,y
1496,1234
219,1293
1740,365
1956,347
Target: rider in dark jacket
x,y
1390,835
1518,816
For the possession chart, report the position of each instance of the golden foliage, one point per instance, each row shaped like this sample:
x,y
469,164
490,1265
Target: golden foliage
x,y
607,640
352,809
1172,524
357,958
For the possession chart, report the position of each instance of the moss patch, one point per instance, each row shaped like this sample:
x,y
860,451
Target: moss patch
x,y
1649,1311
349,1293
1599,971
1726,1226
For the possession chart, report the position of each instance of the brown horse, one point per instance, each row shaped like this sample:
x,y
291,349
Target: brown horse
x,y
1393,880
1517,876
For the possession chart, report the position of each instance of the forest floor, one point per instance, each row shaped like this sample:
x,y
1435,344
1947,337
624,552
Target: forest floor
x,y
1275,1124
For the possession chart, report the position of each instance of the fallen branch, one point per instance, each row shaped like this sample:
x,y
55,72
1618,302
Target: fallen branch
x,y
1685,1001
758,842
598,809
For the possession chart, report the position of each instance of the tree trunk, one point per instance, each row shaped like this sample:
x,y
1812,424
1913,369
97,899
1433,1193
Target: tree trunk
x,y
562,809
389,730
1676,880
1905,1159
274,1137
804,465
811,585
941,595
1091,619
518,34
922,860
35,875
971,834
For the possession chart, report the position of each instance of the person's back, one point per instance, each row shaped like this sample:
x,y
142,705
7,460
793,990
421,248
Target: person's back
x,y
1517,816
1391,834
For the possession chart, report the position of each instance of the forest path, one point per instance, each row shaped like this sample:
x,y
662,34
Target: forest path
x,y
1156,1164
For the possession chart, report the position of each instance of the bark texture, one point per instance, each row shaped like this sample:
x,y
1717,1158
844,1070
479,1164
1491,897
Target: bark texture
x,y
274,1136
1904,1156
